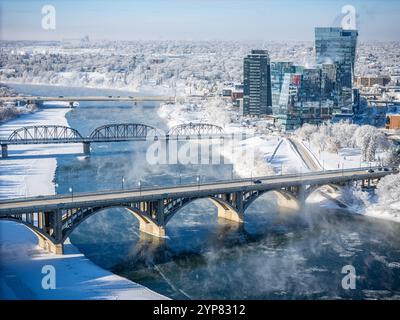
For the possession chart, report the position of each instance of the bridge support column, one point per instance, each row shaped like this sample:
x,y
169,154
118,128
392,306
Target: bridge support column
x,y
227,212
146,225
56,248
152,229
4,151
86,148
301,195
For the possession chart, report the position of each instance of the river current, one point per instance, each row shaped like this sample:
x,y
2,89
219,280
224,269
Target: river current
x,y
274,255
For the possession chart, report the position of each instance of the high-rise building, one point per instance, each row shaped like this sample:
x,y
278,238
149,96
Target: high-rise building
x,y
338,46
257,97
335,45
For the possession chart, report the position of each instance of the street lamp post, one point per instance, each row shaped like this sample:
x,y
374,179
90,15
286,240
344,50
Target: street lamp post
x,y
198,182
72,193
122,181
140,188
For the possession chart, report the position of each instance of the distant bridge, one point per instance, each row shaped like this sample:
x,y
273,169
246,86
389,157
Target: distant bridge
x,y
54,218
52,134
71,99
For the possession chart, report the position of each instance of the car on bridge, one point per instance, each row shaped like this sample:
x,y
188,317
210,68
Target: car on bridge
x,y
257,181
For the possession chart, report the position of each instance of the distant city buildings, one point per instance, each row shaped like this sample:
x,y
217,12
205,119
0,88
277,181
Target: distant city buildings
x,y
257,95
371,81
321,92
327,90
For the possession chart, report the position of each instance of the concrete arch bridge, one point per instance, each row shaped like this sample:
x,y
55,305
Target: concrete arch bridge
x,y
54,218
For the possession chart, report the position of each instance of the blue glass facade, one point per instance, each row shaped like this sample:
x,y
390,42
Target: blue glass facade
x,y
337,46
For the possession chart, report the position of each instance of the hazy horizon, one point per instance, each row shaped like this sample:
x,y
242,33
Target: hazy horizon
x,y
195,20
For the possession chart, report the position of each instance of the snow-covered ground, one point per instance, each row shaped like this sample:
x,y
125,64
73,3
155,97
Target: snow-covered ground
x,y
255,155
76,276
345,158
377,206
29,171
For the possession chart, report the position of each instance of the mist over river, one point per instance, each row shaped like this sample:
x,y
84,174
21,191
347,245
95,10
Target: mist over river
x,y
276,254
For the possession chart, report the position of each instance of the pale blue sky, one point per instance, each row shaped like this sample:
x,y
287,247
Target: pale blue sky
x,y
195,19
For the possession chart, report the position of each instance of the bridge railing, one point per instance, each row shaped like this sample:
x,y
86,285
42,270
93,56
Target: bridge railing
x,y
68,197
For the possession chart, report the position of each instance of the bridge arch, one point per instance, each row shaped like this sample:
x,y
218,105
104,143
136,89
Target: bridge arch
x,y
225,210
191,129
146,223
313,188
284,197
45,133
123,131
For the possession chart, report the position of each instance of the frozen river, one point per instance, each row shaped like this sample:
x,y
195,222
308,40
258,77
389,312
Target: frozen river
x,y
275,255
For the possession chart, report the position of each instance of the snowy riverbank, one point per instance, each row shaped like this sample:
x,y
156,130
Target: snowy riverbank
x,y
29,171
255,155
272,154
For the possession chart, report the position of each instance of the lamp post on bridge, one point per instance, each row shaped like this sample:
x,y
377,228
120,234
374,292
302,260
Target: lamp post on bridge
x,y
122,181
140,187
72,193
198,182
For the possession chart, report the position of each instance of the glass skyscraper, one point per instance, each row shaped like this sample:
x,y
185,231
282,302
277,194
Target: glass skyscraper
x,y
337,46
257,97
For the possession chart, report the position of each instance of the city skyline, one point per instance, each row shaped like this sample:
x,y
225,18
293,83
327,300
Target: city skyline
x,y
195,20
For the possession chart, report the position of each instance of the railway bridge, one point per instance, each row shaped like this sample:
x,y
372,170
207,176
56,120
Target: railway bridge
x,y
119,132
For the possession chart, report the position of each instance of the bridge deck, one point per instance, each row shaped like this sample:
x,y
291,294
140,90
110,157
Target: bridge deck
x,y
49,203
91,98
181,137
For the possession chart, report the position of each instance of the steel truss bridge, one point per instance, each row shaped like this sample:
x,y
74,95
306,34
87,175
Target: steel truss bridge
x,y
53,134
54,218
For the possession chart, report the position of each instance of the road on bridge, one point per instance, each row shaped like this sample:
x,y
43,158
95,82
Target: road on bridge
x,y
305,155
195,190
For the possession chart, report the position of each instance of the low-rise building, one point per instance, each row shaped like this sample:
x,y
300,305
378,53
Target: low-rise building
x,y
371,81
392,121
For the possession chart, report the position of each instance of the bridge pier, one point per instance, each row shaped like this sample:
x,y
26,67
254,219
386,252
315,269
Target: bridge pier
x,y
86,148
150,228
228,212
301,196
147,225
56,248
4,151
